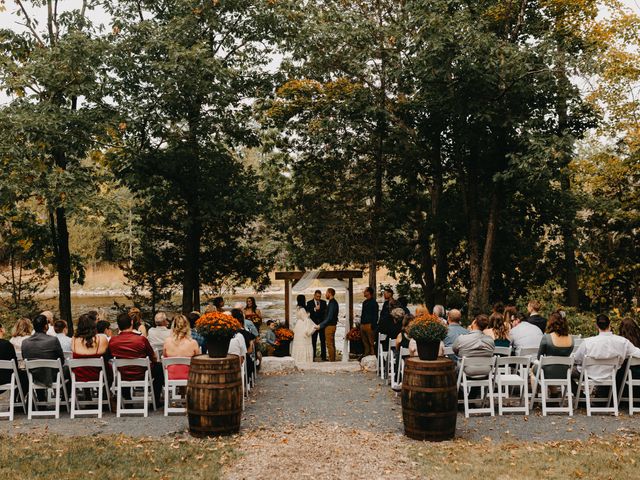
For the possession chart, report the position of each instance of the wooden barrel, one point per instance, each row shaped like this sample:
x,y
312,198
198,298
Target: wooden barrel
x,y
214,396
429,399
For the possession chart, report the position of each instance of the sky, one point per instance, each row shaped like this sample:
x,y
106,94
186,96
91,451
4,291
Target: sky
x,y
99,16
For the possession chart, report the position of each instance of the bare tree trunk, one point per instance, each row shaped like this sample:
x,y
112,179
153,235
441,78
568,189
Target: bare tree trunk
x,y
442,267
487,255
63,261
567,227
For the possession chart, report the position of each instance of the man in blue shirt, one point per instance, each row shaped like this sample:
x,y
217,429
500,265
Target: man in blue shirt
x,y
455,329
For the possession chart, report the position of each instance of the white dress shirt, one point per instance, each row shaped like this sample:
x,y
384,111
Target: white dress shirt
x,y
525,335
238,346
65,342
603,346
157,336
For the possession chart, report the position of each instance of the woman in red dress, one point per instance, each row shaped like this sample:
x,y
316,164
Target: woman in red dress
x,y
88,344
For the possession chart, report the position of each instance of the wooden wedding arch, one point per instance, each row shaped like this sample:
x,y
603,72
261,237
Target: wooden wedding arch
x,y
291,278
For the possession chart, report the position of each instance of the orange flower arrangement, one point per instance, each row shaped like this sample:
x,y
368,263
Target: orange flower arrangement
x,y
214,325
283,334
427,327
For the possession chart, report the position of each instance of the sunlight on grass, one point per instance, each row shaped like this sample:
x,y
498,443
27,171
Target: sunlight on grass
x,y
611,457
113,457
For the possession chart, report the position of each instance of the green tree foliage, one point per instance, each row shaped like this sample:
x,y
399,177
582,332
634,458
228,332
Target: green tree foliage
x,y
184,77
53,74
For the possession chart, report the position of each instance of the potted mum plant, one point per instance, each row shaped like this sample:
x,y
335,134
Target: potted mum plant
x,y
218,329
283,340
428,331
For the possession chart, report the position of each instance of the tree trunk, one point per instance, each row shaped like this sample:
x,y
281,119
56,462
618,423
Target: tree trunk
x,y
191,274
487,254
63,266
442,267
373,276
473,245
567,227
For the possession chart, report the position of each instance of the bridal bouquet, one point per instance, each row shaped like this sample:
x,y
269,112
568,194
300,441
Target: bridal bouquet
x,y
216,325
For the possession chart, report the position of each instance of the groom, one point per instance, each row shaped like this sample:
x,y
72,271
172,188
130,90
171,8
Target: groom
x,y
317,309
330,322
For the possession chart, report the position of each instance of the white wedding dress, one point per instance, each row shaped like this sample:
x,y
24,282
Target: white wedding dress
x,y
302,348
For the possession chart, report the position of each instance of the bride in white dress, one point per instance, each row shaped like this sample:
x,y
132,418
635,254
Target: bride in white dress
x,y
302,348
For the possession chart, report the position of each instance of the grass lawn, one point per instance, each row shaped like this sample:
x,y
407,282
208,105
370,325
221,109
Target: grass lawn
x,y
111,457
596,458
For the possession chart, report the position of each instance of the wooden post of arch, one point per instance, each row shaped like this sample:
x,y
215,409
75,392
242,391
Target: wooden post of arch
x,y
287,307
350,303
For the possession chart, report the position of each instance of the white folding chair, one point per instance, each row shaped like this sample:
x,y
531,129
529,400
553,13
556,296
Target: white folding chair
x,y
502,351
531,352
586,382
54,393
171,386
484,382
629,381
396,381
512,372
382,355
12,387
391,365
563,383
577,341
146,384
100,385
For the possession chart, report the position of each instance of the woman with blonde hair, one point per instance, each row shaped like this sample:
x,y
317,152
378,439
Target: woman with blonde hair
x,y
180,344
21,330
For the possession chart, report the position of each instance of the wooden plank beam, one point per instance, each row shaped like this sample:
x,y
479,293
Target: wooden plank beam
x,y
339,274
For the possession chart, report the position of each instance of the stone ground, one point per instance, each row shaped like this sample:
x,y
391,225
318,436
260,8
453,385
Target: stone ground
x,y
339,425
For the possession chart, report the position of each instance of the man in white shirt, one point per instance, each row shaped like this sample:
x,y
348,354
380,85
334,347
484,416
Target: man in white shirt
x,y
160,332
605,345
60,328
524,334
238,347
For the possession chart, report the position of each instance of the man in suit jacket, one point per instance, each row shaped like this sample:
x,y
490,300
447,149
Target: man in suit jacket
x,y
534,317
41,346
317,308
330,322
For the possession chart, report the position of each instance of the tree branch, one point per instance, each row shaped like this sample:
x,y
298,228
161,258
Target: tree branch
x,y
29,22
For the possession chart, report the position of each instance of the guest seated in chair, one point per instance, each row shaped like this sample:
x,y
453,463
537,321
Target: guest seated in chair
x,y
270,337
128,344
159,333
8,352
180,344
60,327
604,345
475,344
41,346
86,343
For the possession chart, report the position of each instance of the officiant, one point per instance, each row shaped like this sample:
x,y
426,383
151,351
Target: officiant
x,y
317,308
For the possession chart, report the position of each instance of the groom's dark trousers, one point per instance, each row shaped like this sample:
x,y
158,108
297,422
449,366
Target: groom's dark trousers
x,y
317,316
